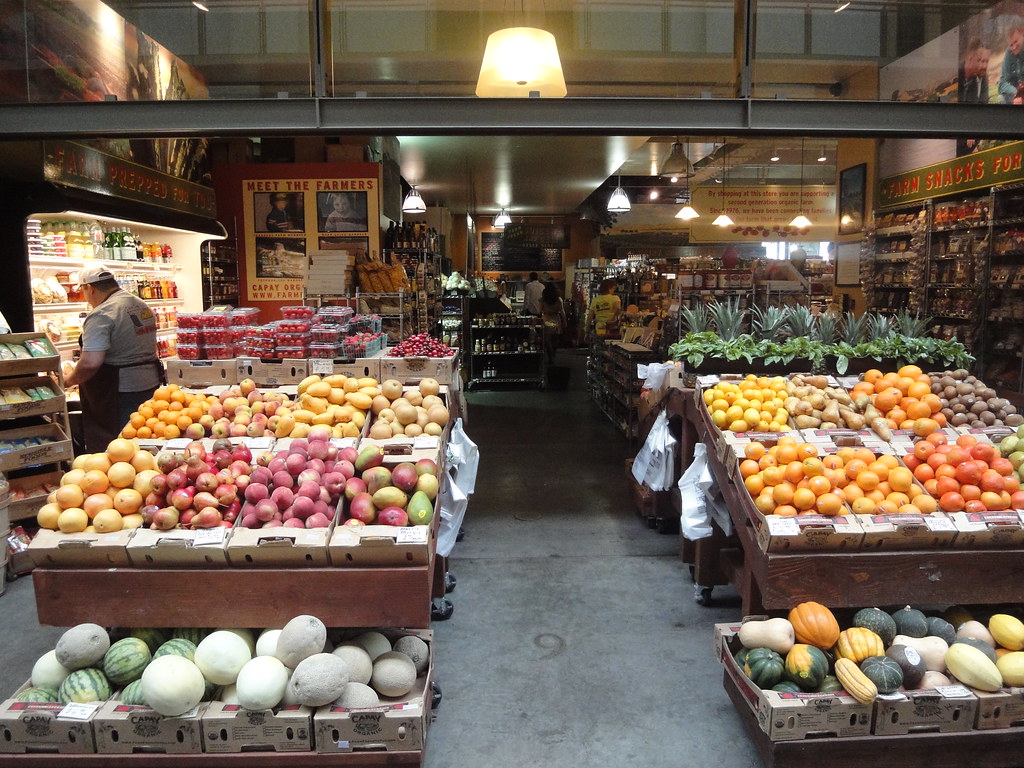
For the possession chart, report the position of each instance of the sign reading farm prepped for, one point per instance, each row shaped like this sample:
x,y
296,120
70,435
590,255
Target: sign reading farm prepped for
x,y
997,165
284,221
763,213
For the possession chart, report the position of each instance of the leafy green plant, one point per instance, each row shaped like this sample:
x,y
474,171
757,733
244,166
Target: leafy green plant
x,y
827,331
910,324
768,323
877,326
853,328
696,318
727,317
801,321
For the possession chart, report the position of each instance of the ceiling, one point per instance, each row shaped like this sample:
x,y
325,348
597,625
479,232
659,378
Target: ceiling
x,y
558,175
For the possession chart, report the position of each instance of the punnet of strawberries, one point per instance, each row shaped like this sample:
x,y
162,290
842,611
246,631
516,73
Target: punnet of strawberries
x,y
421,345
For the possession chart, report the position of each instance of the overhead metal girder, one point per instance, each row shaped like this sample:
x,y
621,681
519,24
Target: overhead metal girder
x,y
468,116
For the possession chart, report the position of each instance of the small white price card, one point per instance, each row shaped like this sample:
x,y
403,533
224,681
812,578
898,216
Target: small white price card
x,y
707,381
415,534
259,443
344,442
424,441
940,524
782,526
79,711
245,361
210,536
321,366
952,691
177,442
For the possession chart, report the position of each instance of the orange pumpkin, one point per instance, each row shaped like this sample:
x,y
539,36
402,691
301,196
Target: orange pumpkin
x,y
814,624
859,643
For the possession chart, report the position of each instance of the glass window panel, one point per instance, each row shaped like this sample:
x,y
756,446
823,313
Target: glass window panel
x,y
369,28
234,29
175,28
287,30
615,27
707,29
779,31
850,33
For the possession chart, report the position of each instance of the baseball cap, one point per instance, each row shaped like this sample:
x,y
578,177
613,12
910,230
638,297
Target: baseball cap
x,y
94,273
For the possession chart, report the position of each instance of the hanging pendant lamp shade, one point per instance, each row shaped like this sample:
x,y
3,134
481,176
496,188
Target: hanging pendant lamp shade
x,y
677,164
520,62
502,219
800,220
687,212
619,201
413,202
723,220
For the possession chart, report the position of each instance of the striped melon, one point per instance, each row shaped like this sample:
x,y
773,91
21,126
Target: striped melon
x,y
125,660
153,638
37,694
177,647
194,635
84,685
132,694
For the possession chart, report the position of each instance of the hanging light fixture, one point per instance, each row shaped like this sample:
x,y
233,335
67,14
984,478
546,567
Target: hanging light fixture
x,y
687,212
822,157
413,202
502,219
841,5
723,219
619,201
800,220
677,164
521,62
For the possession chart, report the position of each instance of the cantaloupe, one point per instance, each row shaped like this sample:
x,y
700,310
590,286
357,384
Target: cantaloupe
x,y
301,637
221,655
360,665
319,679
394,674
82,646
374,643
416,649
358,696
261,683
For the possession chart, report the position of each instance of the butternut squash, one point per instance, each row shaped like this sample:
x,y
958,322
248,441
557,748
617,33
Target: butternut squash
x,y
931,649
977,630
776,634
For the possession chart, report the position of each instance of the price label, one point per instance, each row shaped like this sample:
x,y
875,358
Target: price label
x,y
210,536
424,441
939,524
416,534
177,442
320,365
245,362
782,526
952,691
707,381
344,442
259,443
1020,514
78,711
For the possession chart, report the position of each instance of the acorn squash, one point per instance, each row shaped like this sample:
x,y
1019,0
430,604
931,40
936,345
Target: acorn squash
x,y
764,667
910,622
939,627
878,621
885,673
806,666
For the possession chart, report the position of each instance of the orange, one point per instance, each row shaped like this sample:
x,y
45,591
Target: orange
x,y
161,393
753,450
888,399
782,493
904,383
129,432
794,472
174,406
748,467
917,410
969,492
880,468
919,389
813,466
888,460
909,509
764,503
786,453
901,479
804,498
768,460
832,461
940,419
754,485
910,371
897,498
853,492
923,449
772,475
867,480
144,433
806,450
933,402
863,506
819,485
854,467
925,426
865,455
937,438
829,504
171,431
926,503
875,495
946,484
886,508
872,375
786,510
967,441
136,419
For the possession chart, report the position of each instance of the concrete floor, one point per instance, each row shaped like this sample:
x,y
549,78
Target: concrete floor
x,y
575,639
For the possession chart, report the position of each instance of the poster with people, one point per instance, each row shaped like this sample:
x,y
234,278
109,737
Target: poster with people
x,y
341,212
279,211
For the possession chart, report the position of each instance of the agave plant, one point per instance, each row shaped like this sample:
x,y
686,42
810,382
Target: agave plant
x,y
727,317
827,331
801,322
768,323
877,326
696,318
853,328
913,326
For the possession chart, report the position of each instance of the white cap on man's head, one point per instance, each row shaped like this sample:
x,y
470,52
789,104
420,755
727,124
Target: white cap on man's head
x,y
94,273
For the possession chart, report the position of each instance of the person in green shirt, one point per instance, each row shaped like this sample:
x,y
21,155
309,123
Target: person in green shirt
x,y
605,308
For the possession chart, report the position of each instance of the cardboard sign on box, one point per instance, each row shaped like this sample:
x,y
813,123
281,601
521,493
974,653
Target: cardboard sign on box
x,y
902,531
128,728
206,373
37,727
989,529
1000,709
410,370
950,709
82,550
280,546
157,549
232,728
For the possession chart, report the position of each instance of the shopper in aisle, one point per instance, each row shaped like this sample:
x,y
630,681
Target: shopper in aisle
x,y
531,295
604,311
552,312
119,366
1011,76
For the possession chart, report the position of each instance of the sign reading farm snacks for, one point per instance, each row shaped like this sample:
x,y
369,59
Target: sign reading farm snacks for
x,y
289,220
83,167
1002,164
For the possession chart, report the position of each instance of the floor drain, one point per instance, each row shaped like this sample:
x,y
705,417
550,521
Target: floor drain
x,y
527,517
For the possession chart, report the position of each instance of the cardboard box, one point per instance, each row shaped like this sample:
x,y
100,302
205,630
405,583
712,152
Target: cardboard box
x,y
899,531
950,709
808,532
204,373
162,549
398,725
231,728
131,729
58,448
792,716
361,367
33,407
81,550
383,545
270,373
409,449
29,493
409,370
1000,709
36,727
280,546
989,529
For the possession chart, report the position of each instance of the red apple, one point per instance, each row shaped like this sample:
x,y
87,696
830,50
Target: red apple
x,y
318,520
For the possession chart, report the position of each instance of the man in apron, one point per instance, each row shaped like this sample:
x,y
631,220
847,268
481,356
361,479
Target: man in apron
x,y
119,367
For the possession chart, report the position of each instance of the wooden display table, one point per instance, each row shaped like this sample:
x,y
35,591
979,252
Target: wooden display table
x,y
240,597
203,760
777,582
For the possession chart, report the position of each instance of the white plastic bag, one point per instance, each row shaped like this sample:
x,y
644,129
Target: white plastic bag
x,y
463,458
654,465
654,374
453,503
694,520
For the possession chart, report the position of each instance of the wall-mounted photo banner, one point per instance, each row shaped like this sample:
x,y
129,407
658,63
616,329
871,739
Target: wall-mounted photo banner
x,y
282,219
763,213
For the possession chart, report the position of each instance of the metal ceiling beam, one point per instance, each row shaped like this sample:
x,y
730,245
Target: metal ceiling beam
x,y
471,116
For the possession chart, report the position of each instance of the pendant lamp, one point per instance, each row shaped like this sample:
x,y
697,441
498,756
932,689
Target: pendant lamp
x,y
502,219
800,220
723,219
687,212
677,164
413,202
521,62
619,201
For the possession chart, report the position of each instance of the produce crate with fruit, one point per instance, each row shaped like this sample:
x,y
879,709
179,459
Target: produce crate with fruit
x,y
420,356
32,725
123,728
188,372
413,411
86,549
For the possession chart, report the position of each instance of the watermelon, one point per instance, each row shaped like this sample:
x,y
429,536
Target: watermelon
x,y
194,635
84,685
125,660
153,638
132,694
38,693
177,647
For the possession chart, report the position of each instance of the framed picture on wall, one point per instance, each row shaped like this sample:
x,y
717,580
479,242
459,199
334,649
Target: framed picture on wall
x,y
852,182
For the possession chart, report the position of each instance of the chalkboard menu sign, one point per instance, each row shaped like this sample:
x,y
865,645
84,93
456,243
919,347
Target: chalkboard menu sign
x,y
498,256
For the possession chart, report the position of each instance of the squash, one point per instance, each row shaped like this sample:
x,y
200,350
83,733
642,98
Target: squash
x,y
814,624
972,667
858,643
981,645
855,682
1011,667
787,686
878,621
910,662
172,685
939,627
933,679
932,650
806,666
221,655
764,667
1007,630
957,615
777,634
977,630
910,622
885,673
830,684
